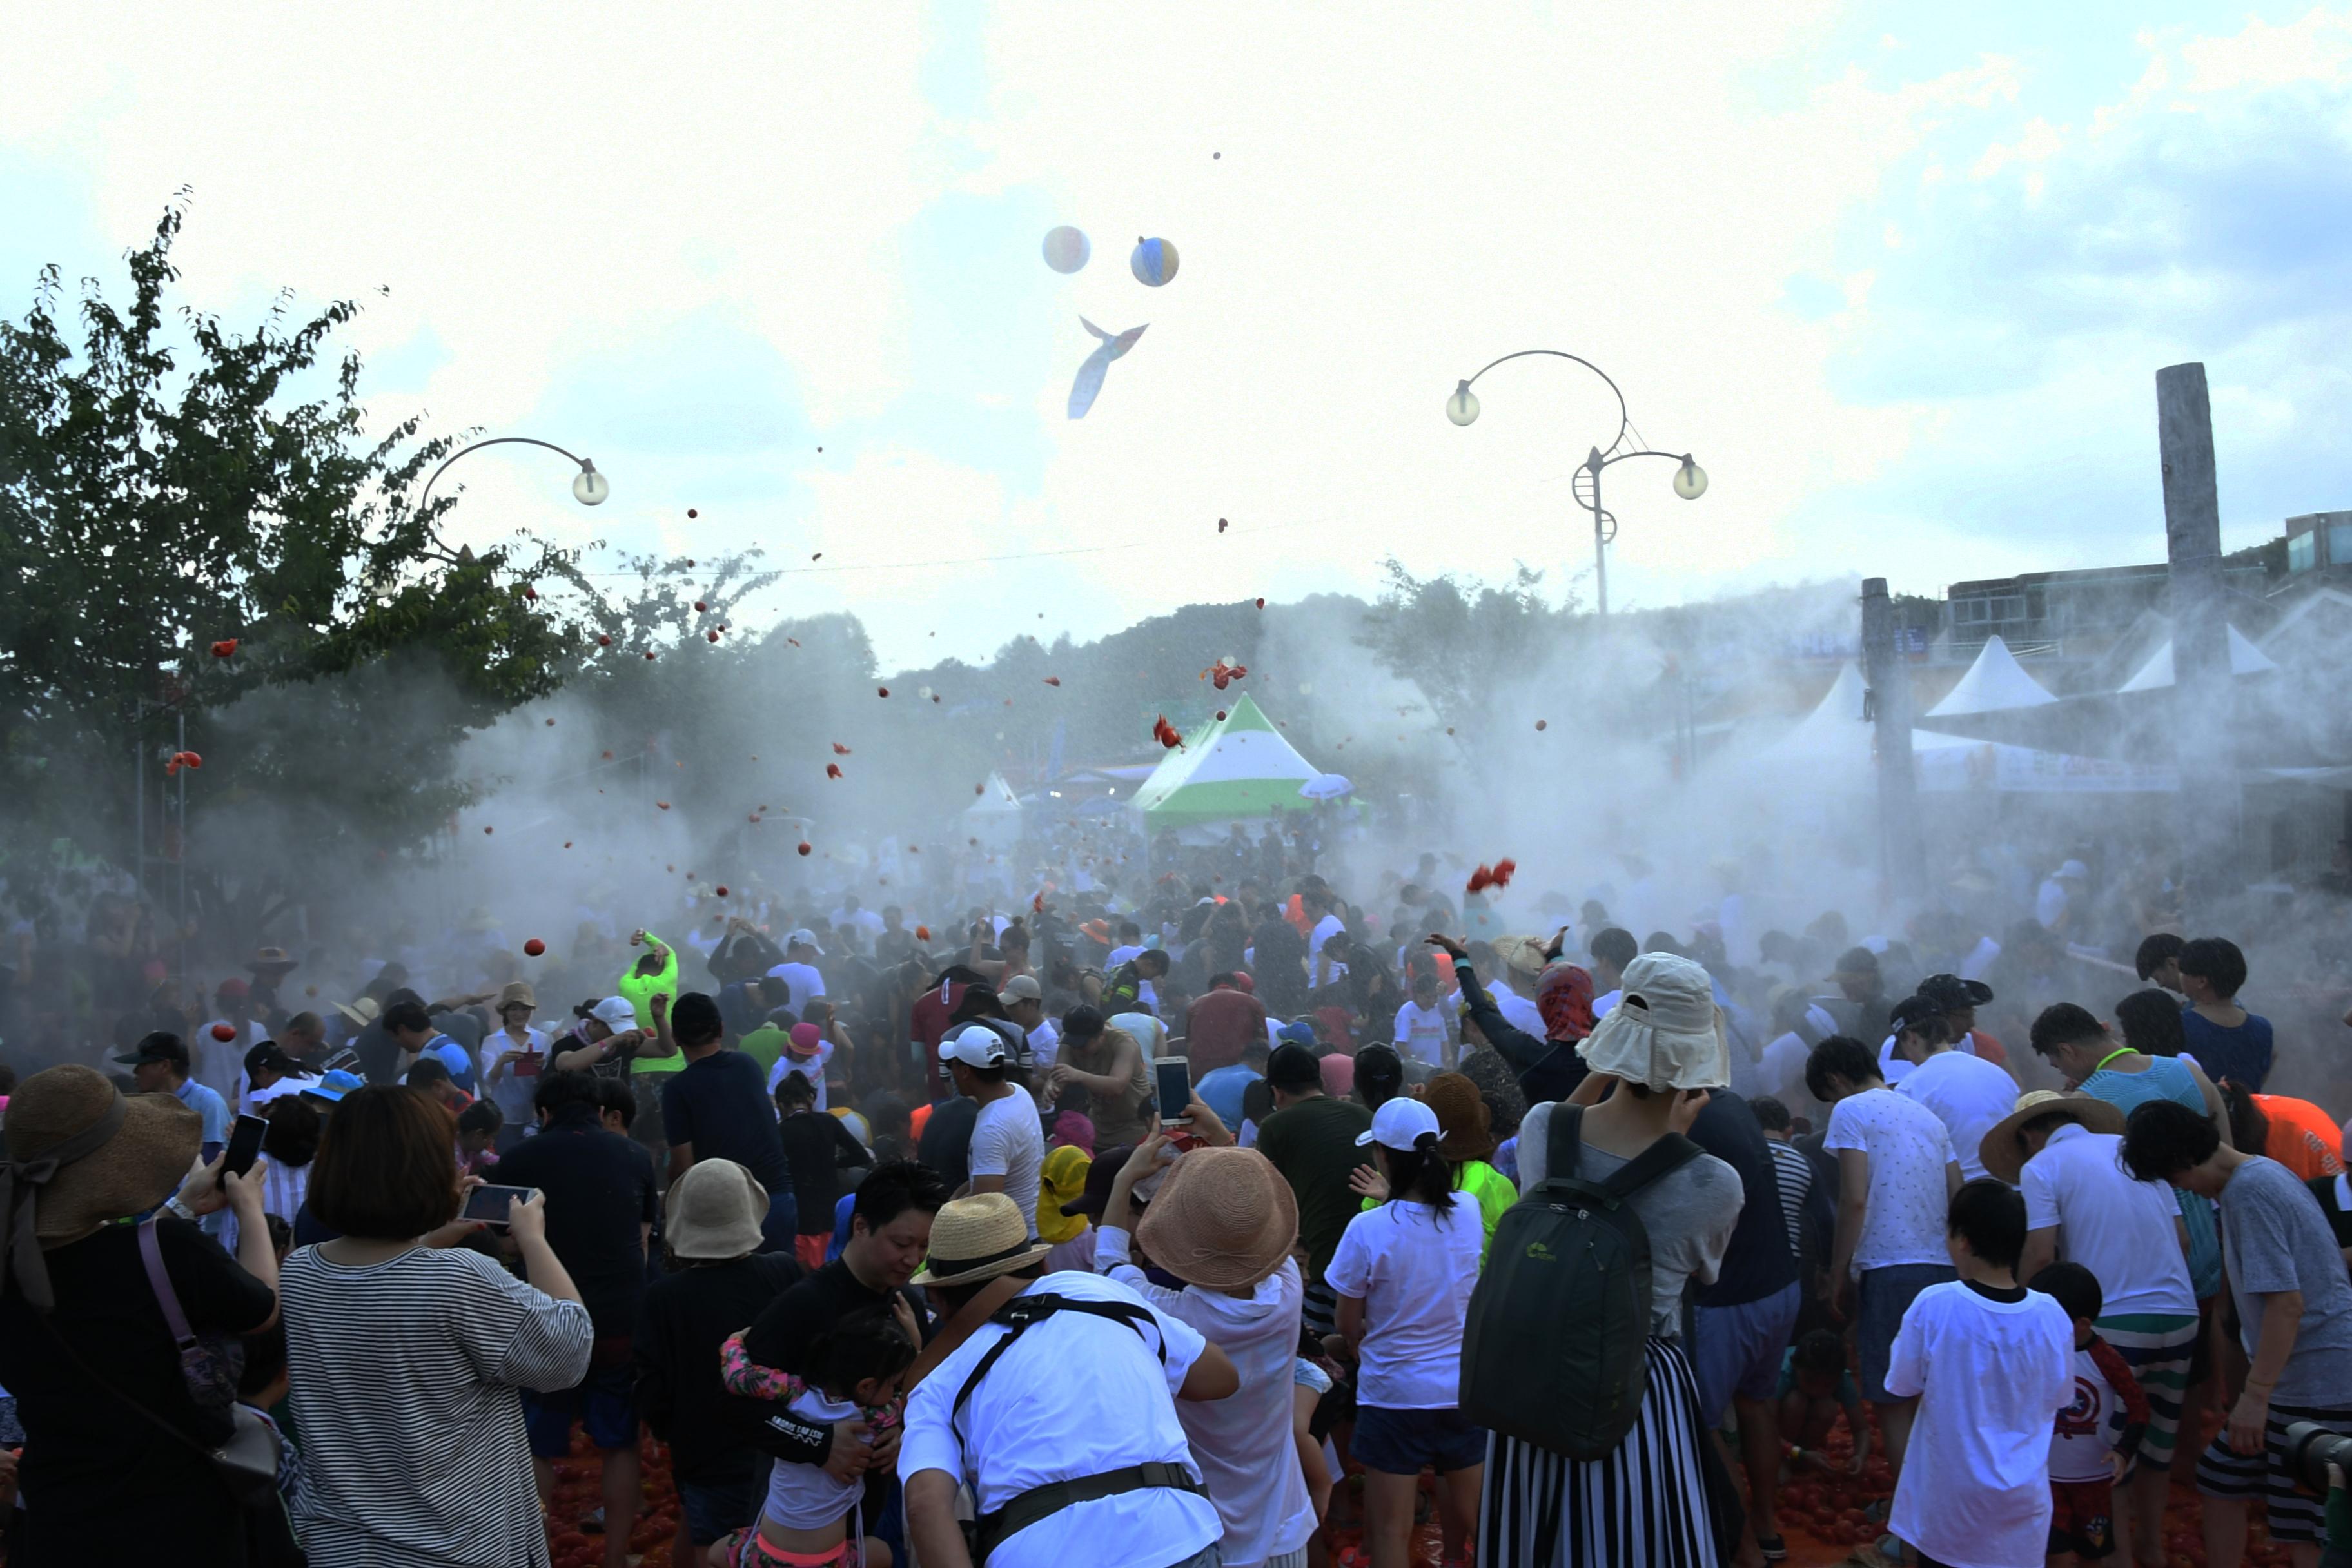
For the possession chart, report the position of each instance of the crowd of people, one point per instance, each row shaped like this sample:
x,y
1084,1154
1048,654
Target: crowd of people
x,y
1126,1229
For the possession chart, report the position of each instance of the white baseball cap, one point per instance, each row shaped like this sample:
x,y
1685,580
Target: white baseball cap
x,y
977,1046
803,938
616,1011
1398,1123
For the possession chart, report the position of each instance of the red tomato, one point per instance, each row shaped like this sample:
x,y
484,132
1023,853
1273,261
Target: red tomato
x,y
223,1031
805,846
534,947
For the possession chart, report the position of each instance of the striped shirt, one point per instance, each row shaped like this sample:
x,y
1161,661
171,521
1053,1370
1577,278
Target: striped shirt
x,y
283,1188
1795,1173
405,1377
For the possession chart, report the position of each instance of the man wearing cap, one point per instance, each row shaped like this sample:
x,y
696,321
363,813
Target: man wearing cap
x,y
217,1059
1008,1145
1071,1470
1312,1139
1967,1093
805,981
605,1041
269,1072
1957,1001
1024,1003
1860,1007
159,1064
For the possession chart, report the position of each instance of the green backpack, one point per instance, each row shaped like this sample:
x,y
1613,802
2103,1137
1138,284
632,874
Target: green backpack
x,y
1553,1350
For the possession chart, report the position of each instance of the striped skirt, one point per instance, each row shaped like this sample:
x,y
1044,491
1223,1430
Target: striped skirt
x,y
1646,1503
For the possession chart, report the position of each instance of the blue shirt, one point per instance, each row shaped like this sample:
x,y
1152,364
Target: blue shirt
x,y
1222,1089
454,1056
2242,1055
209,1105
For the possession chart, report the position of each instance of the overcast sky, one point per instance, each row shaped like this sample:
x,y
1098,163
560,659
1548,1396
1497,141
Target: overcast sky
x,y
1900,276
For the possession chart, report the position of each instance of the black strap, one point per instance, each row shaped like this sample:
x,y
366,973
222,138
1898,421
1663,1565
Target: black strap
x,y
1564,1141
1023,1312
1026,1509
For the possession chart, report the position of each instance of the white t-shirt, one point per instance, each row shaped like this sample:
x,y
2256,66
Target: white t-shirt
x,y
1242,1444
2049,903
1908,1148
1045,1043
1967,1094
807,984
512,1093
1320,970
1007,1141
1029,1422
804,1497
1415,1275
1421,1033
2084,1437
220,1064
2124,1232
809,1068
1606,1004
1975,1488
1894,1068
1516,1010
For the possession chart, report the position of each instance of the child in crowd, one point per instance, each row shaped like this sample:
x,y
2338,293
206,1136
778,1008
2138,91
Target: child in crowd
x,y
260,1386
477,1136
818,1148
1815,1384
855,1368
1992,1364
2096,1435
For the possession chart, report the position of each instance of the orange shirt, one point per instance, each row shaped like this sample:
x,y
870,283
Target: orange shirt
x,y
2301,1137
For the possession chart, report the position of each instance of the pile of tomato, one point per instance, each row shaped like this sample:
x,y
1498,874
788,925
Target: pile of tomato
x,y
580,1491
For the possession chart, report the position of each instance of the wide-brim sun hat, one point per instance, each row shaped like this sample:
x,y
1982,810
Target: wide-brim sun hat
x,y
2003,1149
361,1012
1224,1219
1665,1032
1527,955
713,1211
517,994
977,1238
81,1154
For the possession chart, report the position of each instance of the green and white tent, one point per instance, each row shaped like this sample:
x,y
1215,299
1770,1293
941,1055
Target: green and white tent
x,y
1236,768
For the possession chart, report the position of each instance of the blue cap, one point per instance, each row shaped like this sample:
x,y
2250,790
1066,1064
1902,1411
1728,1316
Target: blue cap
x,y
334,1086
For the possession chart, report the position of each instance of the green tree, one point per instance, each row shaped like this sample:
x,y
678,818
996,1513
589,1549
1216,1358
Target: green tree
x,y
1461,643
167,483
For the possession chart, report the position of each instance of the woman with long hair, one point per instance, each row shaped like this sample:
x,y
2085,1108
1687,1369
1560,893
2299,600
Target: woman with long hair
x,y
1402,1273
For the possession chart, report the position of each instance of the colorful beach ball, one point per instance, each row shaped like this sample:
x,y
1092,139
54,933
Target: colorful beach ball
x,y
1153,263
1067,250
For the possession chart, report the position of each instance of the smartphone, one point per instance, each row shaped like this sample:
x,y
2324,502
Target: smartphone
x,y
490,1205
244,1146
1173,1077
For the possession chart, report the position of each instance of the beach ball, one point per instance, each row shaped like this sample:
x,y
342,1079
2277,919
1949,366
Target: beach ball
x,y
1153,263
1067,250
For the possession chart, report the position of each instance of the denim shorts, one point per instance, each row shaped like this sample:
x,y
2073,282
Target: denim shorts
x,y
1400,1442
605,1402
713,1513
1880,1298
1737,1350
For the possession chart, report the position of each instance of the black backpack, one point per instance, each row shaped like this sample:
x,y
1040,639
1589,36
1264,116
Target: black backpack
x,y
1553,1351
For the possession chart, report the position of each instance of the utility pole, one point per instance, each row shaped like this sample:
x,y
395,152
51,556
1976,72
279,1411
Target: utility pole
x,y
2204,737
1903,855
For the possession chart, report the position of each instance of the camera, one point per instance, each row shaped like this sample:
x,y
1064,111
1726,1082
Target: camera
x,y
2311,1449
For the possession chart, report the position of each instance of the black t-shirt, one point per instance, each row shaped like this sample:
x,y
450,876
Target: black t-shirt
x,y
945,1143
816,1147
1758,1263
379,1054
780,1336
96,1474
720,1105
600,1191
687,1316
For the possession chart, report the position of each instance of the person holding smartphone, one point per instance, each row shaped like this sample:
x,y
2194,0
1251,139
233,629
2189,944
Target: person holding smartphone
x,y
513,1057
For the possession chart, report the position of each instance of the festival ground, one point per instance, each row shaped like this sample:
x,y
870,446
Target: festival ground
x,y
1821,1518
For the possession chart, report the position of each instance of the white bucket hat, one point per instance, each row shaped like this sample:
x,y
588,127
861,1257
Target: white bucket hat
x,y
1666,1032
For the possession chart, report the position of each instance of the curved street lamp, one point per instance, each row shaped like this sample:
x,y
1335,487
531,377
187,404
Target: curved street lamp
x,y
1690,479
588,486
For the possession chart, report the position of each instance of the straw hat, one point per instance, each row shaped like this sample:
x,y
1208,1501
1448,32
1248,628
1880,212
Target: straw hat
x,y
80,1154
1462,1118
1224,1219
978,1239
2003,1149
361,1012
713,1211
1523,955
518,993
1665,1032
